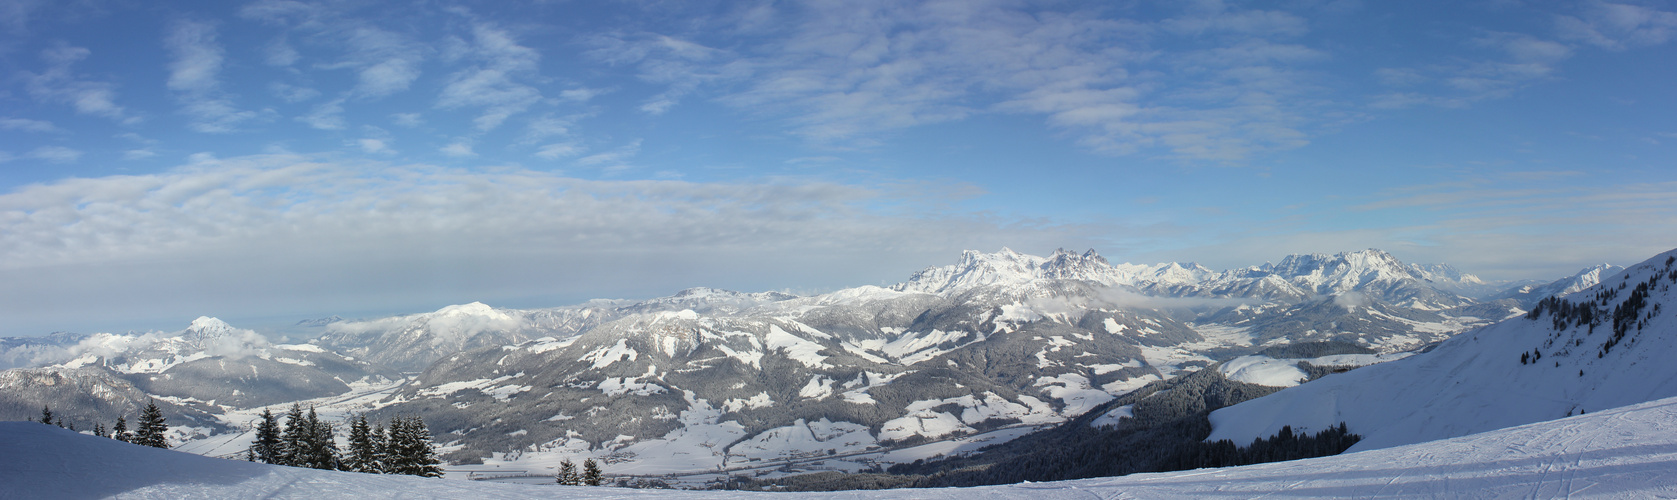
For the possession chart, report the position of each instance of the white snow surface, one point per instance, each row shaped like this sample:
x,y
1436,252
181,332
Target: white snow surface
x,y
1619,453
1264,370
1475,382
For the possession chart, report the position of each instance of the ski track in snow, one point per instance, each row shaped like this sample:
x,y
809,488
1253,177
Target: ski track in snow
x,y
1619,453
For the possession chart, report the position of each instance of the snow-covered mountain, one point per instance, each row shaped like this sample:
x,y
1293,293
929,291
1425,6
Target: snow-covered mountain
x,y
24,352
1618,453
412,342
209,364
995,340
1529,295
1601,347
709,377
83,397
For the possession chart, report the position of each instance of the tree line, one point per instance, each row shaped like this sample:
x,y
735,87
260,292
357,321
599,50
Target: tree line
x,y
150,431
402,446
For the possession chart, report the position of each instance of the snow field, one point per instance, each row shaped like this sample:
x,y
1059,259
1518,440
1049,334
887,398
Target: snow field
x,y
1619,453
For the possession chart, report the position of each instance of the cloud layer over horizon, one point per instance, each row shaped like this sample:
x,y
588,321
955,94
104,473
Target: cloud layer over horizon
x,y
280,157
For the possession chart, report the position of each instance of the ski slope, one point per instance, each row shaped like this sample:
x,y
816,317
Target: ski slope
x,y
1480,380
1619,453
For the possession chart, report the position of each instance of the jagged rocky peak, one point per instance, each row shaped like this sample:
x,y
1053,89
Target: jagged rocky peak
x,y
1342,271
1008,267
1071,265
1445,273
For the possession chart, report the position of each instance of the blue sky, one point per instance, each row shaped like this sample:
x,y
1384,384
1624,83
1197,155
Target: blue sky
x,y
276,159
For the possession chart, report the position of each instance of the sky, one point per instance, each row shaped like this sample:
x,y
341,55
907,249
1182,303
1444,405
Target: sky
x,y
255,160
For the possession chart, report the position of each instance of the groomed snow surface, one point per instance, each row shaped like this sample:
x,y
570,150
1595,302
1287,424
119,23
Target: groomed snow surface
x,y
1621,453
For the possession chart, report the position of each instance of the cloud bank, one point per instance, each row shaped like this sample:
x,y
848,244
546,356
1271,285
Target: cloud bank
x,y
294,233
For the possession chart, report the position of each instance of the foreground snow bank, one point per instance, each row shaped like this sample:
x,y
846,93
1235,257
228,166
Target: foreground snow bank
x,y
1620,453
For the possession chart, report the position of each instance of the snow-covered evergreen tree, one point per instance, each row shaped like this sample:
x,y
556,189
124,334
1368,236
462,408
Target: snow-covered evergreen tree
x,y
567,473
591,473
321,446
410,449
152,427
380,446
46,415
266,446
294,441
363,455
120,432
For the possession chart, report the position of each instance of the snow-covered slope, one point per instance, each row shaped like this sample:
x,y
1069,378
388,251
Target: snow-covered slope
x,y
1602,347
1619,453
206,368
1528,295
412,342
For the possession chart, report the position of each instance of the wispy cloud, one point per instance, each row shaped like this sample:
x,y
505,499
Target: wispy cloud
x,y
559,150
59,84
326,116
1497,64
494,83
194,75
1617,26
386,62
27,125
374,146
458,149
409,120
614,160
56,154
302,232
848,73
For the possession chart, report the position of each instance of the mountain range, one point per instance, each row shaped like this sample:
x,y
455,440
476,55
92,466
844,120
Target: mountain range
x,y
996,343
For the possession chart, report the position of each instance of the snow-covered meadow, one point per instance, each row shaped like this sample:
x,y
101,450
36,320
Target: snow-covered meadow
x,y
1619,453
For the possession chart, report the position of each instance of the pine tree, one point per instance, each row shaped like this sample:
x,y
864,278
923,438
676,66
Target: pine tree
x,y
294,441
99,430
266,446
567,473
152,427
322,447
394,459
410,449
363,456
381,451
591,473
120,432
46,415
59,422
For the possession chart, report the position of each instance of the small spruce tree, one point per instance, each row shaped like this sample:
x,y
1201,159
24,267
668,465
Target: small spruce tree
x,y
418,450
567,473
46,415
321,448
152,429
380,450
120,432
294,442
363,457
591,473
266,446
